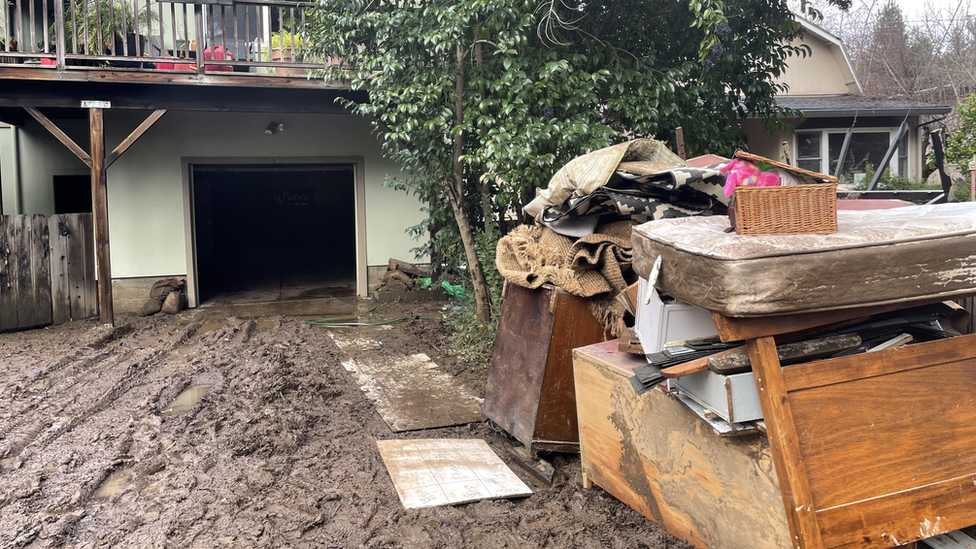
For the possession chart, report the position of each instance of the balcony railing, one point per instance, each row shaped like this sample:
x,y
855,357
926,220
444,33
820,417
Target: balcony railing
x,y
253,36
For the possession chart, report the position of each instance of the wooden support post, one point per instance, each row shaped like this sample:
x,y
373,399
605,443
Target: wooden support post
x,y
106,310
680,137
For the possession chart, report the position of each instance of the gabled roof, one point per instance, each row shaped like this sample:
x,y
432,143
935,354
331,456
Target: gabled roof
x,y
835,44
818,106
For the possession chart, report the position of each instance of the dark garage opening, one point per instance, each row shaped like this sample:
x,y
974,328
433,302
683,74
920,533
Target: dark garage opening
x,y
274,233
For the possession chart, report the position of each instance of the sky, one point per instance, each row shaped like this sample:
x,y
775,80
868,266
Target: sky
x,y
913,9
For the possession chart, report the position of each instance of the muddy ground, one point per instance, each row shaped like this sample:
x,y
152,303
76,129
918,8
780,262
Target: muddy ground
x,y
280,452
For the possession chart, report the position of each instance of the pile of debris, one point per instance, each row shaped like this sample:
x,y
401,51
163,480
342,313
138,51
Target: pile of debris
x,y
582,242
401,276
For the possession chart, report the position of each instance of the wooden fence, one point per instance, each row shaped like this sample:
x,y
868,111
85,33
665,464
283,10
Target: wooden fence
x,y
47,270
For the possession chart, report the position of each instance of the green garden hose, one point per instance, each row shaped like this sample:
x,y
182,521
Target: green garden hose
x,y
333,322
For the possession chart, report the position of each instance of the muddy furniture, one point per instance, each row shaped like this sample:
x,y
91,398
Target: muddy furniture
x,y
530,390
657,456
870,451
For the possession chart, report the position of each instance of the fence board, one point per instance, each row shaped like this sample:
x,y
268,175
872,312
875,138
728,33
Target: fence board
x,y
8,300
41,270
11,297
60,289
90,284
35,272
80,268
25,290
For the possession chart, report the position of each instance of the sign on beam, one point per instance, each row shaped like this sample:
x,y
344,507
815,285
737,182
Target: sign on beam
x,y
94,104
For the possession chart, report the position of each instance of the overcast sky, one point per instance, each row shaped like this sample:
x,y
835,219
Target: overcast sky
x,y
913,9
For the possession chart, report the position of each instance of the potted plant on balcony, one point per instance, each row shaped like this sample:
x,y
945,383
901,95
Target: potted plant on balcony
x,y
114,19
287,47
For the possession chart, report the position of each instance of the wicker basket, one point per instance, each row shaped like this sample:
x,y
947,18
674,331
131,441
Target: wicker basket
x,y
794,209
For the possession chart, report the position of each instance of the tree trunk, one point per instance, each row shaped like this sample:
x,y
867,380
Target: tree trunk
x,y
488,216
455,194
482,298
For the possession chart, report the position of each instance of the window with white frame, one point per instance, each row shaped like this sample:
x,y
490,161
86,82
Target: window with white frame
x,y
819,151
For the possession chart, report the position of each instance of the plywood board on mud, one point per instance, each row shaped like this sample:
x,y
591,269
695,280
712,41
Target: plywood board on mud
x,y
410,392
432,472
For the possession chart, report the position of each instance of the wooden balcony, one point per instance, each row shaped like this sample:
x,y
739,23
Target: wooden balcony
x,y
254,43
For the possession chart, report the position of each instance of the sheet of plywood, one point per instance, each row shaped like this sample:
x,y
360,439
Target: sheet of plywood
x,y
431,472
654,454
410,392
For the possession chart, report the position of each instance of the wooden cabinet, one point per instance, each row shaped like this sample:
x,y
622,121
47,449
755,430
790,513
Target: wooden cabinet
x,y
654,454
530,392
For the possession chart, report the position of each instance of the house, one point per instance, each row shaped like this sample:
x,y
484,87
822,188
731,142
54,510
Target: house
x,y
240,172
825,90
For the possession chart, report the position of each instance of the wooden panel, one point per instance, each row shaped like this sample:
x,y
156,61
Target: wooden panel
x,y
881,522
844,444
41,270
8,274
518,360
654,454
742,328
25,288
253,80
697,365
573,326
82,293
839,370
60,289
88,281
25,285
78,294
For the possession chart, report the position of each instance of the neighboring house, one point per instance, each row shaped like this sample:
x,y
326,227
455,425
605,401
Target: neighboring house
x,y
254,184
824,88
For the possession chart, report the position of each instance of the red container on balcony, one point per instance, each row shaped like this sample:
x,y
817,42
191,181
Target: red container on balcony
x,y
218,53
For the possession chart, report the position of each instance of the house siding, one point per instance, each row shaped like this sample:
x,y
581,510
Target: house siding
x,y
145,186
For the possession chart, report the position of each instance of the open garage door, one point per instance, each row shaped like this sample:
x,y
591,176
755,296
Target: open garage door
x,y
274,233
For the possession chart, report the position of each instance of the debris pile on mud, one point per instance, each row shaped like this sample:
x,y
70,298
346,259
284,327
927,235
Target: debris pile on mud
x,y
279,451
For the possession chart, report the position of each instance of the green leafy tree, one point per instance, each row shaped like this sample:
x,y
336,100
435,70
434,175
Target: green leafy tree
x,y
481,101
960,145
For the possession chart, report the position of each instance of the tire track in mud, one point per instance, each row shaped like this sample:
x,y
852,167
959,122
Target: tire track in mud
x,y
84,363
130,378
144,366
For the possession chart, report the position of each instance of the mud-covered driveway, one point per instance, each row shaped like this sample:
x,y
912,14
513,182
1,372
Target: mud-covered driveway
x,y
279,452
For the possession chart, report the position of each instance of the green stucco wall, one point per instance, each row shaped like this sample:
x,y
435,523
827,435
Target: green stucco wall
x,y
145,186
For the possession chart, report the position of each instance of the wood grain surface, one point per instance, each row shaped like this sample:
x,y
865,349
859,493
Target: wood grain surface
x,y
655,455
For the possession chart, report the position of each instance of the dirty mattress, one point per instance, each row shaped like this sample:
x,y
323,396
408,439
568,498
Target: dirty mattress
x,y
876,257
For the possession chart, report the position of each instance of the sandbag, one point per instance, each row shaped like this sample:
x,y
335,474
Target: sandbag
x,y
174,303
158,293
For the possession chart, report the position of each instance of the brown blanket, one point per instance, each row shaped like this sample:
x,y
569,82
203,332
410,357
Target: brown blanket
x,y
593,266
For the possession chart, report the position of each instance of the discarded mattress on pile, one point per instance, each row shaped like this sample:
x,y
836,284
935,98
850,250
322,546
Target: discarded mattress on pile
x,y
876,257
639,180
